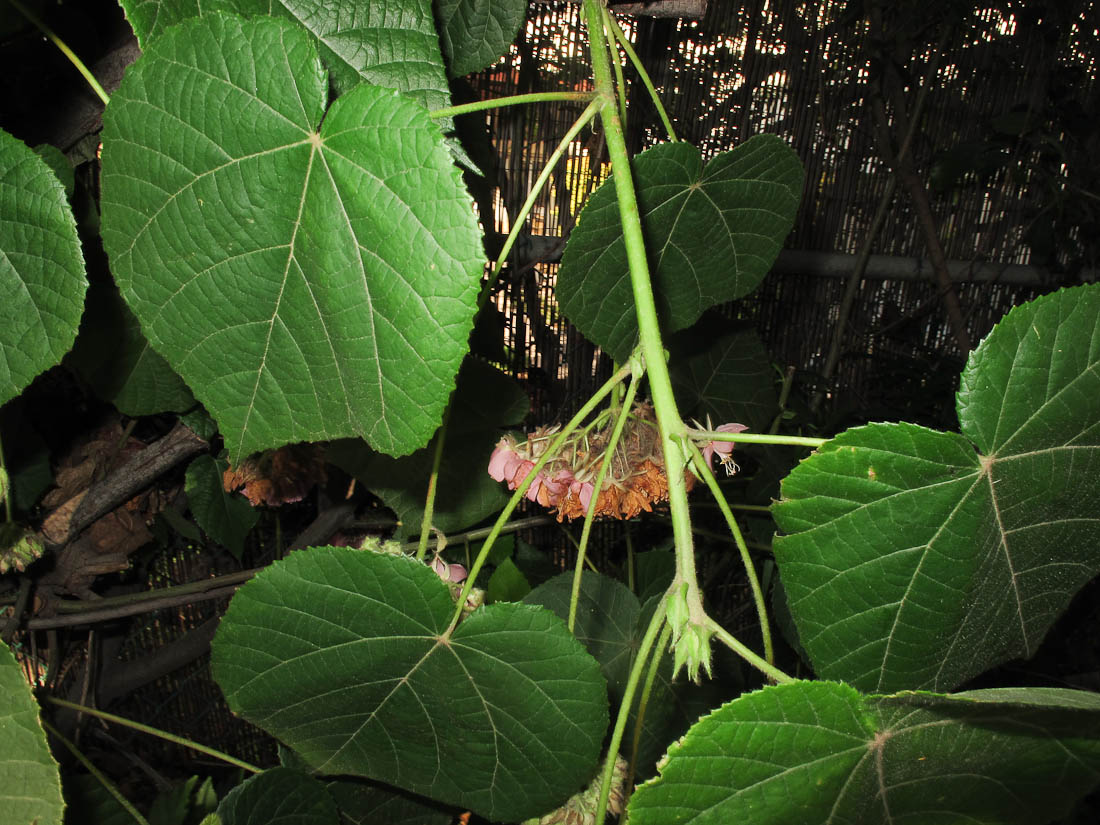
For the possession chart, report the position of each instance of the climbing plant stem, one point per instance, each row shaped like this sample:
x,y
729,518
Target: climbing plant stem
x,y
757,438
669,424
702,466
512,100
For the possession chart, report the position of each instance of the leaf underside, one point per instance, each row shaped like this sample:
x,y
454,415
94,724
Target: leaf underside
x,y
712,233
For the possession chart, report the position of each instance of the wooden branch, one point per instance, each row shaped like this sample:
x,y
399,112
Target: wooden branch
x,y
67,521
694,9
123,677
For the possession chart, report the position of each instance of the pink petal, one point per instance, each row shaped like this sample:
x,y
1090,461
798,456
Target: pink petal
x,y
502,456
519,472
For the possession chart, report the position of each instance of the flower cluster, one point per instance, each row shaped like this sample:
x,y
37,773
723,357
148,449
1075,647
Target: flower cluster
x,y
635,479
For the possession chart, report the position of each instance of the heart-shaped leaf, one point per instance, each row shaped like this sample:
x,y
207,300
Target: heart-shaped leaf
x,y
475,33
389,43
309,282
346,657
279,796
818,752
31,790
42,281
711,233
919,559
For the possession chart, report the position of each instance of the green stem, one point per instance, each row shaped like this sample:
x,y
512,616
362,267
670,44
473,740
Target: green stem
x,y
160,734
94,771
669,424
433,480
655,625
643,702
757,438
609,26
521,217
597,485
513,100
7,484
613,26
517,496
730,641
65,50
703,468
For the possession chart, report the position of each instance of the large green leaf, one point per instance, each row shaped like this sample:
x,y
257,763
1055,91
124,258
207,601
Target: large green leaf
x,y
42,281
307,284
391,43
367,803
31,787
475,33
730,379
279,796
919,559
345,656
819,752
113,356
711,233
485,400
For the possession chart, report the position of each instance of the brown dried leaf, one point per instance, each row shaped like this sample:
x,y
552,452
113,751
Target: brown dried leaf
x,y
277,477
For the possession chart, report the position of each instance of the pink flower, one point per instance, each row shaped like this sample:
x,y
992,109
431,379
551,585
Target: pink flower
x,y
504,460
553,489
723,448
448,572
521,471
583,491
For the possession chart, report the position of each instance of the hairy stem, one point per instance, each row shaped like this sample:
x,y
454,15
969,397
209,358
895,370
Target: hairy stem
x,y
669,424
512,100
703,468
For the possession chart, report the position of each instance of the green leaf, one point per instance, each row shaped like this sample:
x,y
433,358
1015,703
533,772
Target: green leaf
x,y
60,166
607,618
31,790
279,796
367,803
654,570
507,584
308,285
485,401
187,802
387,43
712,234
919,559
817,752
87,802
225,518
42,281
475,33
113,356
346,657
731,380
